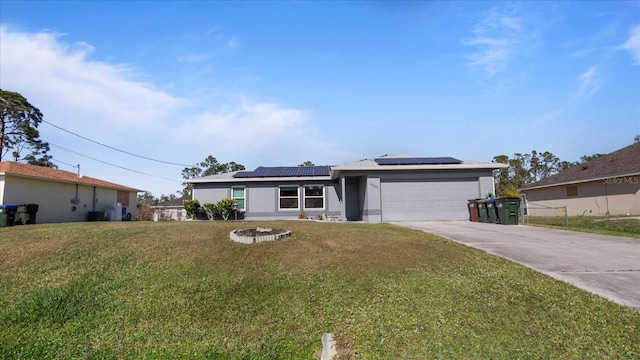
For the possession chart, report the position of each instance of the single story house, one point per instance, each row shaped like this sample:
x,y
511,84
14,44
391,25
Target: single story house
x,y
389,188
172,209
607,185
63,196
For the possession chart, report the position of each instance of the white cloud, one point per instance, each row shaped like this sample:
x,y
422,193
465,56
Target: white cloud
x,y
217,32
264,132
194,58
81,91
109,103
498,37
633,44
589,82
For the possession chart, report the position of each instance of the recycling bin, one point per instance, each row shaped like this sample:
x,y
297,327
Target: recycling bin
x,y
492,212
473,210
482,211
508,210
10,210
3,218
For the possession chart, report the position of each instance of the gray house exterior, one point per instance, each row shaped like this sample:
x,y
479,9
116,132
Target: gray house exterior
x,y
372,190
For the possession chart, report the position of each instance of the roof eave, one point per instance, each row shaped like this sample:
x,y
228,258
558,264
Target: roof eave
x,y
492,166
257,179
123,188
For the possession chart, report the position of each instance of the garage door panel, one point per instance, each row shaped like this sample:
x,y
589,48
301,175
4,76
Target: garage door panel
x,y
427,200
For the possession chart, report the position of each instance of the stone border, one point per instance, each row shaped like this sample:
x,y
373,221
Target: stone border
x,y
257,239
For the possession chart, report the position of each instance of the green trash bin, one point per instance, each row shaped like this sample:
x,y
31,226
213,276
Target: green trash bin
x,y
3,218
508,210
10,211
492,211
482,211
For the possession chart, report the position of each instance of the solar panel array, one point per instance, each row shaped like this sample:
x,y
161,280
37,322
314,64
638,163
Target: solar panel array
x,y
418,161
285,171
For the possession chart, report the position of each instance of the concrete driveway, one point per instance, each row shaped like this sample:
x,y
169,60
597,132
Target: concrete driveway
x,y
608,266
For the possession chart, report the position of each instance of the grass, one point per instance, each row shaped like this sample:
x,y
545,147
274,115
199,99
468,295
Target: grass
x,y
600,225
183,290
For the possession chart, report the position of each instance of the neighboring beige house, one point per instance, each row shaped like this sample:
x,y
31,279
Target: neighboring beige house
x,y
170,210
608,185
63,196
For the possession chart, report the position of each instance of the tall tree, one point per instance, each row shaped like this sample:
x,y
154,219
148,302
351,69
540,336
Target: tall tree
x,y
586,158
44,160
525,169
564,165
306,163
210,166
19,122
145,201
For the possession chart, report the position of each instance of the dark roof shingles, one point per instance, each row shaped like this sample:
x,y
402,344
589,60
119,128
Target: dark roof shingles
x,y
625,161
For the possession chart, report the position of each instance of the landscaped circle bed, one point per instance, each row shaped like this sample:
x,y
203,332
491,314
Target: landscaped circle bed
x,y
256,235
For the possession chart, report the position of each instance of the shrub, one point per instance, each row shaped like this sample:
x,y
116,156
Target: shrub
x,y
211,210
226,207
192,207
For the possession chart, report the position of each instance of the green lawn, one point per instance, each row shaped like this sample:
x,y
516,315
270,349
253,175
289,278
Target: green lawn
x,y
629,227
183,290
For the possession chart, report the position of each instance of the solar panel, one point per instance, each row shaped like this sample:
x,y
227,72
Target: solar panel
x,y
322,170
285,171
417,161
305,170
272,172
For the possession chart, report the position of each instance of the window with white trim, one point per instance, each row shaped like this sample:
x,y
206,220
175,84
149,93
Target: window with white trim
x,y
288,198
238,194
314,197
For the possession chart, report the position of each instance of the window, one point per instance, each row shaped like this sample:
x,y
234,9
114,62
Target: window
x,y
237,194
288,197
314,197
123,197
572,190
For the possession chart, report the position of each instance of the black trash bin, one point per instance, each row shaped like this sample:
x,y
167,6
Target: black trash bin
x,y
10,210
508,210
32,210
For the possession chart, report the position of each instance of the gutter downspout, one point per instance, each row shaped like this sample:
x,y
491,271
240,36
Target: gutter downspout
x,y
94,201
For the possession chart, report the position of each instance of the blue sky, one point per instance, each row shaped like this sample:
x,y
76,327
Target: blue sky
x,y
279,83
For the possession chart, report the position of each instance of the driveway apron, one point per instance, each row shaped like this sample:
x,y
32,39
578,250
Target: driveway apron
x,y
608,266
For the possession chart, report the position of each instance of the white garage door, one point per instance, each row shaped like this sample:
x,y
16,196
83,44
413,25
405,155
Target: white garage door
x,y
427,200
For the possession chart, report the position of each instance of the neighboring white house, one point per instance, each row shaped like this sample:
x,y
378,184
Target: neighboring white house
x,y
63,196
389,188
607,185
